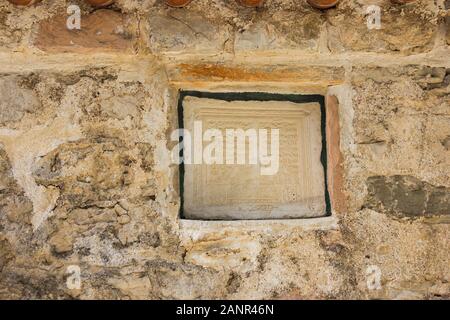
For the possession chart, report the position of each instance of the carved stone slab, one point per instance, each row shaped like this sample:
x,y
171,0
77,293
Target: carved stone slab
x,y
240,191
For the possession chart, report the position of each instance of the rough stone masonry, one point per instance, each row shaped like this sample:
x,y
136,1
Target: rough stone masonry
x,y
85,176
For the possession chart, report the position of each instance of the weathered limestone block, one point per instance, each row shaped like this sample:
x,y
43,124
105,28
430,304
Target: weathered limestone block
x,y
181,280
95,237
92,215
62,240
146,153
133,286
16,23
235,253
151,239
121,107
378,239
18,208
412,89
6,252
8,37
282,30
435,164
87,172
292,265
115,215
434,80
401,121
29,282
409,29
101,31
95,204
407,196
291,186
185,32
7,182
15,232
14,205
15,100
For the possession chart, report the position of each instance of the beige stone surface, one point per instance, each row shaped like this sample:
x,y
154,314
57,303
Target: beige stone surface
x,y
295,190
16,100
283,30
181,31
86,136
415,32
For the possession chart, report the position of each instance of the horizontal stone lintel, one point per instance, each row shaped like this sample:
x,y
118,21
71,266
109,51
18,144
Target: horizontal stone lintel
x,y
211,73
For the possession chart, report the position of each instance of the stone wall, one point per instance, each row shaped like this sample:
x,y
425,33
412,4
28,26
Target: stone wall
x,y
86,180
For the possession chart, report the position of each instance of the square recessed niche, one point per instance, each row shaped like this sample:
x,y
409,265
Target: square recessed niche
x,y
239,191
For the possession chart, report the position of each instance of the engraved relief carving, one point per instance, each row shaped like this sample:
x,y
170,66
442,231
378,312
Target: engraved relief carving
x,y
240,191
